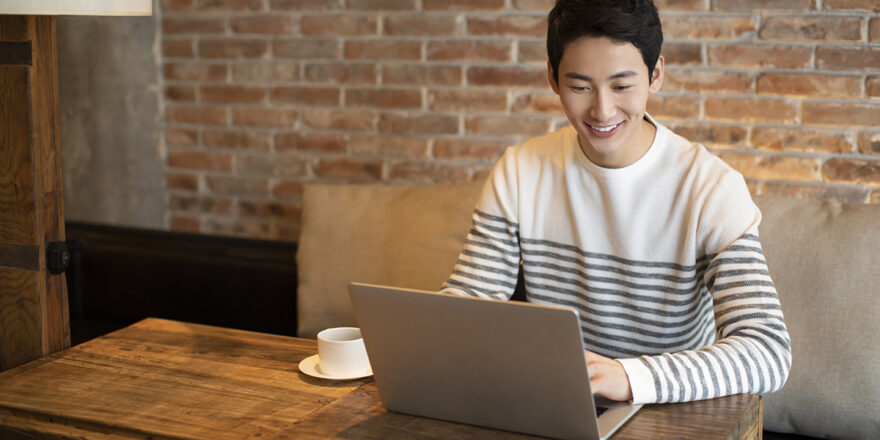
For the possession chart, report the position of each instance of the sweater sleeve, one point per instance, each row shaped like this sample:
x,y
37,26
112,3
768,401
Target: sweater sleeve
x,y
488,264
752,351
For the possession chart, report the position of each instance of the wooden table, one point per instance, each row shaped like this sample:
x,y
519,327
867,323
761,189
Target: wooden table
x,y
164,379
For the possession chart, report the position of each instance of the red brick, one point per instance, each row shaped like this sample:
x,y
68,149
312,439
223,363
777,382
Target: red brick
x,y
848,58
680,5
869,142
826,86
185,224
285,211
195,72
391,49
532,52
275,71
197,115
467,100
421,25
852,171
760,55
874,30
199,204
511,26
506,126
383,98
180,137
351,120
713,135
177,5
535,77
870,5
261,24
380,5
693,80
387,146
538,103
288,189
232,94
306,48
842,114
306,95
674,107
811,28
421,74
261,230
750,110
469,50
178,49
467,148
463,5
245,139
762,5
304,5
229,48
427,172
338,25
350,168
180,93
236,186
817,192
189,182
229,5
344,73
683,54
200,161
304,141
706,27
264,117
200,26
418,124
799,139
272,165
768,167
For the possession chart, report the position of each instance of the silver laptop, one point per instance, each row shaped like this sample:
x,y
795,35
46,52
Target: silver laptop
x,y
500,364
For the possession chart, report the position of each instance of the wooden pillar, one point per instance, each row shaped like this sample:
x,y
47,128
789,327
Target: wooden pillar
x,y
33,302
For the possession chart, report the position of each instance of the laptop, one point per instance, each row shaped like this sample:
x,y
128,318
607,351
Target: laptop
x,y
500,364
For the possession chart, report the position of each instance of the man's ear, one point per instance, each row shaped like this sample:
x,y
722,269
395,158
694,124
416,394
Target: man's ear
x,y
552,78
657,76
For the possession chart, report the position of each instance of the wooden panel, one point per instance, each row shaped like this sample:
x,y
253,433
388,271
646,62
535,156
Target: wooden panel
x,y
14,28
16,163
20,257
19,317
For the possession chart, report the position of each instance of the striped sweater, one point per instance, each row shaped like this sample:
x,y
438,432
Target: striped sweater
x,y
661,259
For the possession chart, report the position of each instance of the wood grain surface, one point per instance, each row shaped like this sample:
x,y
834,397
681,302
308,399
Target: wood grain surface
x,y
164,379
31,200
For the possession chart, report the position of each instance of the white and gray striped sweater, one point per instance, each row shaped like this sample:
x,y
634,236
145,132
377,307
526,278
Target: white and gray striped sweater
x,y
661,259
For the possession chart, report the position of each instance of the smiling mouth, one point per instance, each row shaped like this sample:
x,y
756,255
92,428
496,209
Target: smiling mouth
x,y
604,131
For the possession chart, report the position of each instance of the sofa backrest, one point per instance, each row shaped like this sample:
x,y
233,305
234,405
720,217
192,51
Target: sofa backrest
x,y
822,256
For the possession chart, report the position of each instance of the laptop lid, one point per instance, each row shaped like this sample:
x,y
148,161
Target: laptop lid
x,y
507,365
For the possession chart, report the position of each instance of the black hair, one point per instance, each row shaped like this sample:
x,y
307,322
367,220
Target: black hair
x,y
624,21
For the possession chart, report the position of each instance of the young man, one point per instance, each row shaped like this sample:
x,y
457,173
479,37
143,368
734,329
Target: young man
x,y
652,239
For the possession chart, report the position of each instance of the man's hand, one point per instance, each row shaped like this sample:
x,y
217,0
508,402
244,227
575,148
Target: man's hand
x,y
608,378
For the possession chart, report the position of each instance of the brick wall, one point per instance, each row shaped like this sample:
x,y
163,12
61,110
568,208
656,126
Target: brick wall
x,y
262,96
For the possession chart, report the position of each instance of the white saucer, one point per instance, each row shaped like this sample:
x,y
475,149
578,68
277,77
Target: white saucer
x,y
309,366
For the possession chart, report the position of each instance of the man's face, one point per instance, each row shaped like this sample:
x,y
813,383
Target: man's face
x,y
604,87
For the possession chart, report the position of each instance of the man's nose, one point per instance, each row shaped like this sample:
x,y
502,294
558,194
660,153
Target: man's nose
x,y
603,106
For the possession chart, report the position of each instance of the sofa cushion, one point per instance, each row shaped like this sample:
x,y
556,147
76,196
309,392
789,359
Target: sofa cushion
x,y
821,255
399,235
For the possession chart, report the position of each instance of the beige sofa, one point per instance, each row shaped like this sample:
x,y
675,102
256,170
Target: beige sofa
x,y
820,254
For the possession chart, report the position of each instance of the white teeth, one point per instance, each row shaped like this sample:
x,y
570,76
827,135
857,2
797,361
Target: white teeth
x,y
604,129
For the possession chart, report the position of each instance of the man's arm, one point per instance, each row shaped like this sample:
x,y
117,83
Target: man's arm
x,y
753,352
488,265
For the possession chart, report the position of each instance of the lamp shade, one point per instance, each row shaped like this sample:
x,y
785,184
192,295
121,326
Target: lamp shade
x,y
76,7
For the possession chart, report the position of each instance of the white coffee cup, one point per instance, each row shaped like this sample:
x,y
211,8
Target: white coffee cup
x,y
341,352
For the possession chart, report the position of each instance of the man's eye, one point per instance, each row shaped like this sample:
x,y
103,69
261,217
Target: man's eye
x,y
622,88
579,88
